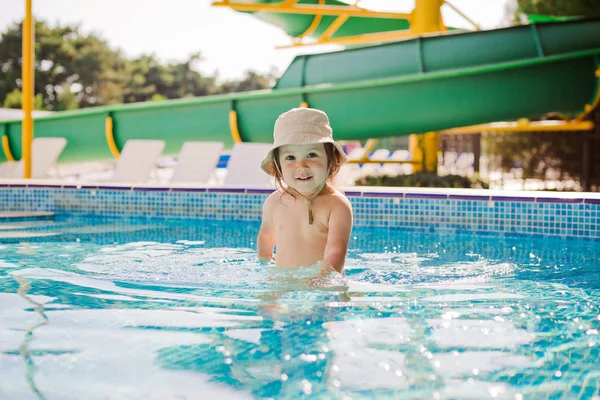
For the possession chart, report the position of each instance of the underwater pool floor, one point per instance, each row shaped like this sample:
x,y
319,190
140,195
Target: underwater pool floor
x,y
164,309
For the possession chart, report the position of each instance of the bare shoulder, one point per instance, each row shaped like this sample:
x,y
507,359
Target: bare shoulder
x,y
272,202
340,213
273,199
340,202
342,199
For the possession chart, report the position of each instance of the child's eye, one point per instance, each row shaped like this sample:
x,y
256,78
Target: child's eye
x,y
290,158
312,155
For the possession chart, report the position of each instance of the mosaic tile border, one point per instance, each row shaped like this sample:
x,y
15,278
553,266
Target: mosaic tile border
x,y
568,215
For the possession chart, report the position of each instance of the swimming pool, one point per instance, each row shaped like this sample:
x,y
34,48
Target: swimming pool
x,y
119,308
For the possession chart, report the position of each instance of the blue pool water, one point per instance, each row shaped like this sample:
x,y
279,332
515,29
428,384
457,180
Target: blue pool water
x,y
115,309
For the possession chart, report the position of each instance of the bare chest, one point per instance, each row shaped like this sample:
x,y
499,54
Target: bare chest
x,y
292,218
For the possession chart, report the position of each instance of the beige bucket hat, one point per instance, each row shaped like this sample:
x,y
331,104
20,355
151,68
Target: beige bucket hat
x,y
300,126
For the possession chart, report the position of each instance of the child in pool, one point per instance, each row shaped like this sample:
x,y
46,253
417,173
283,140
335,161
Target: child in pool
x,y
306,218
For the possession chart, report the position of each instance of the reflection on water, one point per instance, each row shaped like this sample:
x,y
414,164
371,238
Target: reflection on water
x,y
140,310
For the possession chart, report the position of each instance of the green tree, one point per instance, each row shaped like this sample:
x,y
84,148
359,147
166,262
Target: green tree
x,y
146,78
560,7
75,70
252,80
15,100
67,62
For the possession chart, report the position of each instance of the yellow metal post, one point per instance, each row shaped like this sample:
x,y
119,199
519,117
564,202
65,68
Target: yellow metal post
x,y
431,145
233,127
416,152
110,137
426,18
27,92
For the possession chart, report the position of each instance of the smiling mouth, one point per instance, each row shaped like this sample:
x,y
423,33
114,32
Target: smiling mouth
x,y
304,178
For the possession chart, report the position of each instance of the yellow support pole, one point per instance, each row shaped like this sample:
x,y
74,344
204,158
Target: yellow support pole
x,y
522,125
590,107
369,146
27,93
6,148
378,37
465,17
335,25
416,152
314,24
431,145
426,16
233,126
110,138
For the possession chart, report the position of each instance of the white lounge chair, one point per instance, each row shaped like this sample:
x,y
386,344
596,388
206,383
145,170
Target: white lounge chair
x,y
45,152
374,169
197,162
243,167
350,172
397,169
137,160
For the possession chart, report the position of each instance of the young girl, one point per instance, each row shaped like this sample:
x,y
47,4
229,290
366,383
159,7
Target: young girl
x,y
305,218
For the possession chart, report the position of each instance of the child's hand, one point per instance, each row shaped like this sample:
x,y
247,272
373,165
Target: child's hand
x,y
325,280
325,268
266,260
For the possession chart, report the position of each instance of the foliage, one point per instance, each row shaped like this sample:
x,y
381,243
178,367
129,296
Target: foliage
x,y
251,81
560,7
76,70
147,78
537,152
540,153
15,100
66,61
422,179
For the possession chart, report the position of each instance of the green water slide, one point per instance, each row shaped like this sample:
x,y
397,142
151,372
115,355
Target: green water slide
x,y
297,24
412,86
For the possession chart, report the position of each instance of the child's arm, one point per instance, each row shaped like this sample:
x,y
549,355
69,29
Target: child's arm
x,y
340,227
266,234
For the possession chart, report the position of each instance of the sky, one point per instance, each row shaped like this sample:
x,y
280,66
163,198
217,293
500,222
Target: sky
x,y
229,41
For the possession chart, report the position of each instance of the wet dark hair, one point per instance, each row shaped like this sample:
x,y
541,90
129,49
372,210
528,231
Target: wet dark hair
x,y
334,162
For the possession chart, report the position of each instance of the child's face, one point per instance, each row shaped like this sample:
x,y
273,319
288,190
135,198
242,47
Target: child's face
x,y
304,166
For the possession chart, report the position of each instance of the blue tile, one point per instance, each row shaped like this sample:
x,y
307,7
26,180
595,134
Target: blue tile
x,y
417,211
